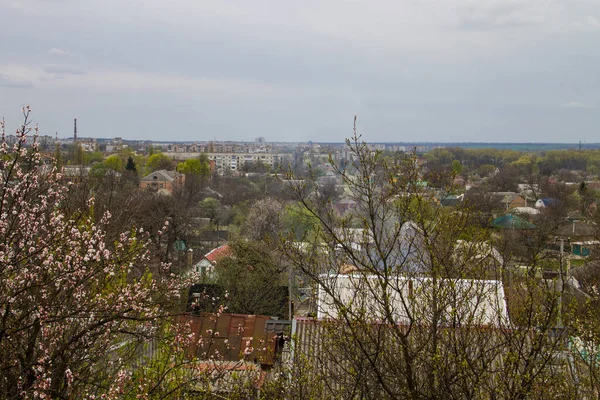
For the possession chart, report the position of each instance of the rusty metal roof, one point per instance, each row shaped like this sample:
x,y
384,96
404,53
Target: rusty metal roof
x,y
232,337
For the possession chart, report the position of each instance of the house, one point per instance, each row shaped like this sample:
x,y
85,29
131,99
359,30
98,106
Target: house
x,y
527,187
163,181
210,259
545,202
582,236
528,211
469,301
452,200
230,349
499,199
356,238
513,200
234,337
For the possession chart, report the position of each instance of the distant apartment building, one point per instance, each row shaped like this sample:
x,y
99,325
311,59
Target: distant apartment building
x,y
236,161
218,147
187,148
233,159
44,140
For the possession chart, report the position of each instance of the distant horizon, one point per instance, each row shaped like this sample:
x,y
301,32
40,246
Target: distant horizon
x,y
466,144
324,142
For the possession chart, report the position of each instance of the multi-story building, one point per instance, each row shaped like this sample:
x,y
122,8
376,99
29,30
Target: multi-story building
x,y
235,161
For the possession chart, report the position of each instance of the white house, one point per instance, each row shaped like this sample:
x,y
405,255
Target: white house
x,y
207,264
466,301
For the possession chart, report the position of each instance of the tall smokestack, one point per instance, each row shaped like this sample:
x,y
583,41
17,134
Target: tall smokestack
x,y
75,129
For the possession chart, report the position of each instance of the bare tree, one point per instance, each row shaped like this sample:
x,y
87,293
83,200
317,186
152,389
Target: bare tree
x,y
416,302
263,219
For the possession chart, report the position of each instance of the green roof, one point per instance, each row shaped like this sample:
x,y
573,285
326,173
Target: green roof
x,y
510,221
180,245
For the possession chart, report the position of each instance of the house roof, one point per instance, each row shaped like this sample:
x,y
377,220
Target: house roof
x,y
162,176
234,337
525,210
546,202
501,194
578,229
474,302
347,269
216,254
510,221
451,199
510,198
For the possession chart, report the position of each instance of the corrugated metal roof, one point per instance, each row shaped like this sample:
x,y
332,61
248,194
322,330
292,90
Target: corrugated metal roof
x,y
468,301
216,254
232,337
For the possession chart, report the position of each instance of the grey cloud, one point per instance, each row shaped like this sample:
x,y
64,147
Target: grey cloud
x,y
13,82
397,65
577,104
507,14
593,21
62,69
55,52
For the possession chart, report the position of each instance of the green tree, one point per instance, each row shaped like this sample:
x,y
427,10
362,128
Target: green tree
x,y
98,170
130,166
114,162
457,167
78,154
211,208
92,158
255,283
157,162
486,170
300,223
193,167
196,173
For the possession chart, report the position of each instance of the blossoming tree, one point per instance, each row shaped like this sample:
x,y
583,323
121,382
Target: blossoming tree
x,y
73,305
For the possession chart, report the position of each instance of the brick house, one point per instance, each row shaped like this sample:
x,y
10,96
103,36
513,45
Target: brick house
x,y
163,180
512,201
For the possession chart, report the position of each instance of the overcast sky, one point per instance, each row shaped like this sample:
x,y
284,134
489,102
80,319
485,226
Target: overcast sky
x,y
411,70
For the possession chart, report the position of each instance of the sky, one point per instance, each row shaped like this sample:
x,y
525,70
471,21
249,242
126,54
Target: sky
x,y
410,70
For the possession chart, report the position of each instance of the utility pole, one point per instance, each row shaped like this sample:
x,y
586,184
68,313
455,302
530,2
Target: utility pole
x,y
560,326
290,311
561,284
